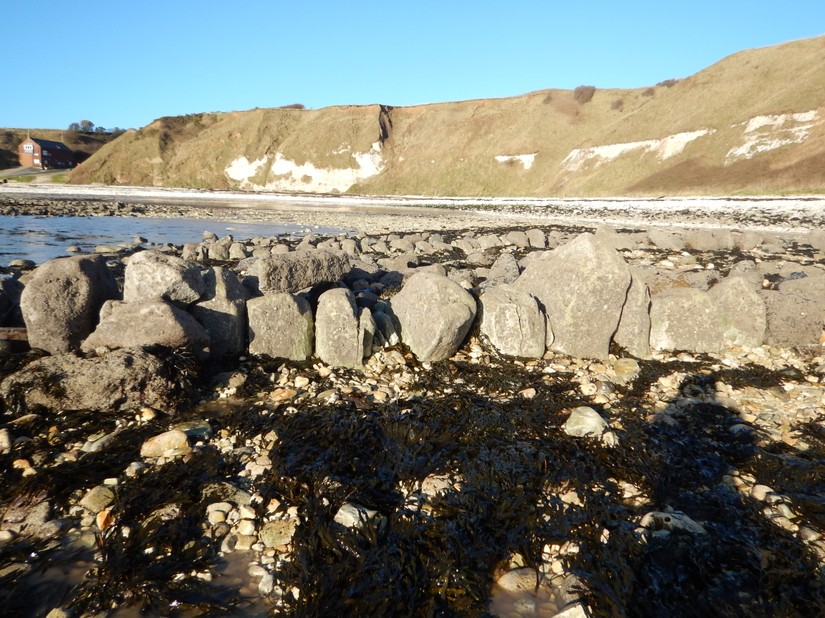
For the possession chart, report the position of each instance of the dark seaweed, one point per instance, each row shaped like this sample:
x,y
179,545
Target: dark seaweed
x,y
509,455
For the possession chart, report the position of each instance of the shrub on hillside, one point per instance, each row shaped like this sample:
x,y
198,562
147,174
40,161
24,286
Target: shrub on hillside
x,y
583,94
293,106
617,105
548,98
668,83
649,92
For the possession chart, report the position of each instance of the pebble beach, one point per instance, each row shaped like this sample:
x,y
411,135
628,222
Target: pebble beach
x,y
675,482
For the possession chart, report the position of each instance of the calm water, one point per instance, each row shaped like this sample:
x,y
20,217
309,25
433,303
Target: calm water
x,y
44,238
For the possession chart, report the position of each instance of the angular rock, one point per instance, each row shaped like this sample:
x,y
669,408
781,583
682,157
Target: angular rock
x,y
387,327
685,319
338,337
582,287
434,314
145,323
292,272
151,275
367,331
633,333
278,532
122,379
795,313
62,300
513,322
536,238
504,270
741,310
222,312
280,326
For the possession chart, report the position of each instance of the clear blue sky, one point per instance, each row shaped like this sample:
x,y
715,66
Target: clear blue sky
x,y
124,63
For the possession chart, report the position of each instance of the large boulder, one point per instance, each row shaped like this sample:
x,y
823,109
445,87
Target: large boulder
x,y
145,323
434,314
339,340
795,311
582,287
222,312
280,326
741,310
152,274
292,272
122,379
62,300
685,319
633,333
513,322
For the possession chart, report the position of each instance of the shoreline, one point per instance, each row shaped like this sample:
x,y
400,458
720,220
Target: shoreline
x,y
782,215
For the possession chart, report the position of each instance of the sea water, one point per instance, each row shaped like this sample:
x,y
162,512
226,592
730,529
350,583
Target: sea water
x,y
40,238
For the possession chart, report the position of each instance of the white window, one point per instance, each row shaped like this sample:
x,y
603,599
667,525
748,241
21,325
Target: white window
x,y
28,147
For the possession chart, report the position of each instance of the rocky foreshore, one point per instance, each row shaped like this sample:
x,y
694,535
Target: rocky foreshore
x,y
553,420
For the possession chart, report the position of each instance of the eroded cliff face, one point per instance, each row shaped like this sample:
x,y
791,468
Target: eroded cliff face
x,y
751,123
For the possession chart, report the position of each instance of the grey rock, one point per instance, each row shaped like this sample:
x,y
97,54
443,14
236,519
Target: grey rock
x,y
62,300
702,240
513,322
504,270
237,251
222,312
633,332
795,313
582,287
666,239
489,241
467,245
435,314
741,310
122,379
144,323
367,330
152,274
97,498
280,326
685,319
517,238
338,337
536,238
292,272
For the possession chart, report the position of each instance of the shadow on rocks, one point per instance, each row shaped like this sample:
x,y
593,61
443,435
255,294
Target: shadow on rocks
x,y
719,513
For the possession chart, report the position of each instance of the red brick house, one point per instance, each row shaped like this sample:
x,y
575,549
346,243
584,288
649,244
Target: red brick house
x,y
45,154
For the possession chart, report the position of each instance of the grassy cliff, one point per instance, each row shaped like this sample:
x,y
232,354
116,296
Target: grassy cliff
x,y
751,123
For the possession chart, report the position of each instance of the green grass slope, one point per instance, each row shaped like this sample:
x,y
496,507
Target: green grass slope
x,y
752,123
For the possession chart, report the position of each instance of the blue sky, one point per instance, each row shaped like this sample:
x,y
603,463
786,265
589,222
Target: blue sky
x,y
126,63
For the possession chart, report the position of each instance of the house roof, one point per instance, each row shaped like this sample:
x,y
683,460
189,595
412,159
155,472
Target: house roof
x,y
45,143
